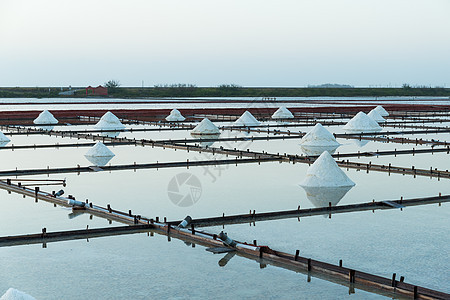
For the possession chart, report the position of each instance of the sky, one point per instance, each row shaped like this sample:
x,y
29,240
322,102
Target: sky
x,y
283,43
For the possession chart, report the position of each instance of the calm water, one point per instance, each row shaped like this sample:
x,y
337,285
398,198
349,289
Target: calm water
x,y
414,243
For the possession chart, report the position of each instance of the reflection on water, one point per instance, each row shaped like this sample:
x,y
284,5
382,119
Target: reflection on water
x,y
3,143
323,196
99,160
360,143
223,262
112,134
45,127
208,137
317,150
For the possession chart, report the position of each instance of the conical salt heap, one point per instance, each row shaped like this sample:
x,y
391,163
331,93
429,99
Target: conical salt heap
x,y
362,123
318,136
4,138
375,115
380,109
175,116
247,119
205,127
324,172
99,155
282,113
109,122
13,294
45,118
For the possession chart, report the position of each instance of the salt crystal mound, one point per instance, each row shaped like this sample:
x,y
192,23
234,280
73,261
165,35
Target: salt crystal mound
x,y
375,115
205,127
362,123
323,196
99,155
206,144
109,122
324,172
380,109
175,116
45,118
318,136
282,113
247,119
13,294
4,138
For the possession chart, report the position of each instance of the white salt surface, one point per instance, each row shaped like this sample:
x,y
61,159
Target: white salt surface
x,y
13,294
380,109
375,115
44,118
282,113
175,116
362,123
318,136
247,119
109,122
324,172
205,127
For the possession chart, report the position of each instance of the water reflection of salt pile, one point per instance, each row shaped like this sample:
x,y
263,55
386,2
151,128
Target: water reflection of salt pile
x,y
380,109
205,127
282,113
318,140
325,182
109,122
3,139
323,196
375,115
45,118
360,143
175,116
99,155
210,139
247,119
361,123
13,294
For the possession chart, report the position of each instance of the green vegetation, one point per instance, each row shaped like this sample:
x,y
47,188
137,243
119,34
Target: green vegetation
x,y
228,90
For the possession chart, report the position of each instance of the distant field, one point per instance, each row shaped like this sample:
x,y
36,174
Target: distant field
x,y
158,92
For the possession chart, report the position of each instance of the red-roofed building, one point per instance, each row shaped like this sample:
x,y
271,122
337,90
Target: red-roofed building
x,y
97,91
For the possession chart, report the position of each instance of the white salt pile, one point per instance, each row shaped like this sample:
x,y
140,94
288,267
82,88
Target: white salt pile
x,y
375,115
319,136
175,116
99,155
45,118
247,119
4,138
362,123
324,172
282,113
109,122
13,294
380,109
205,127
323,196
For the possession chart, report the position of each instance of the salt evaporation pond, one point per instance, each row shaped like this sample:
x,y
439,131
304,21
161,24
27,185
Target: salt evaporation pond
x,y
140,267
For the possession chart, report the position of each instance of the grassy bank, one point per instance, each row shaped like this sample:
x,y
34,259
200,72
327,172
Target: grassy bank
x,y
130,92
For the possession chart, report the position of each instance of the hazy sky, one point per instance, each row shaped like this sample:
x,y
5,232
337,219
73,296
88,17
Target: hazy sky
x,y
210,42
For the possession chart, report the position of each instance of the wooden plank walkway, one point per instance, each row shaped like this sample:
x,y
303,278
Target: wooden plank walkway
x,y
259,253
252,217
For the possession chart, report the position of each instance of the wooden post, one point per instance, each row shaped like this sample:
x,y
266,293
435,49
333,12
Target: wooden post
x,y
297,252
